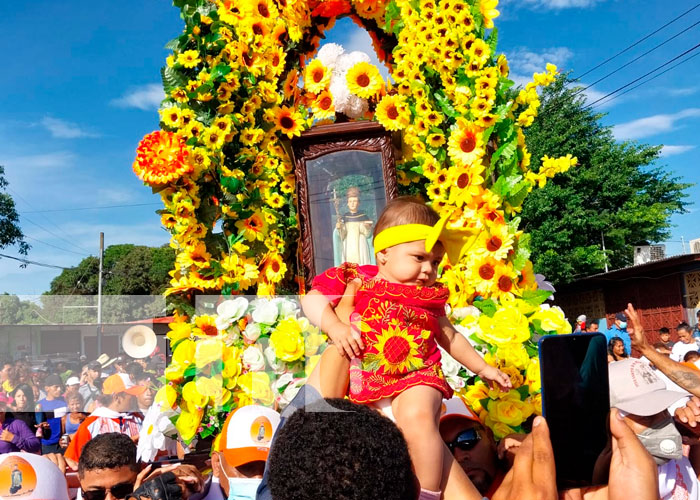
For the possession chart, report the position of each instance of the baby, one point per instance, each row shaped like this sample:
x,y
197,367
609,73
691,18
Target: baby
x,y
395,360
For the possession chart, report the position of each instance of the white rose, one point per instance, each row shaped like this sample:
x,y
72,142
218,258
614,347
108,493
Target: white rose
x,y
277,366
265,312
459,313
287,307
229,311
251,332
450,366
290,392
282,381
456,382
253,359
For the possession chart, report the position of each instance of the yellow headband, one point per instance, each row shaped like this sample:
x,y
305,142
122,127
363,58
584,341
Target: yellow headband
x,y
455,241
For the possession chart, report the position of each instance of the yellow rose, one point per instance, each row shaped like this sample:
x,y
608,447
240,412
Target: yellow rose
x,y
166,396
208,351
187,424
184,353
516,377
500,429
551,319
191,395
175,372
507,411
475,394
535,403
532,375
287,340
508,325
513,355
256,385
312,341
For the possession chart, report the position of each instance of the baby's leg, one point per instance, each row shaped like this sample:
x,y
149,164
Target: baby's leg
x,y
416,411
331,375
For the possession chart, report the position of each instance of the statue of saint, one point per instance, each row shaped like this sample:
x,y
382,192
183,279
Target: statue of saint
x,y
352,236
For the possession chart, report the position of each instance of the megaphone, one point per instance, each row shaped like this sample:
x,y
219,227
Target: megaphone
x,y
139,341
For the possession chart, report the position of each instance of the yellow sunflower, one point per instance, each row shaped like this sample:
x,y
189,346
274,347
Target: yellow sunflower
x,y
323,106
397,352
287,120
364,80
502,63
316,77
274,267
489,12
189,58
466,144
392,112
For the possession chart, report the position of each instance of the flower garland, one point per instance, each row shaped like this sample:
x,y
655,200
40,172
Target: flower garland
x,y
228,187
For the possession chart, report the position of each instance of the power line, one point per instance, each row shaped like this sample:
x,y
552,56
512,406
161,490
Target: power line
x,y
27,261
638,57
644,75
650,79
639,41
88,208
54,246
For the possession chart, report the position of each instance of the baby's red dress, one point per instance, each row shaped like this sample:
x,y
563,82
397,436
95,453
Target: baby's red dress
x,y
399,324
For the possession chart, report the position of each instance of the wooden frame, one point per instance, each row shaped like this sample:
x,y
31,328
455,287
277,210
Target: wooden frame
x,y
361,137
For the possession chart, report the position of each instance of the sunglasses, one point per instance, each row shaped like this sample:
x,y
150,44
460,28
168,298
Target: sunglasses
x,y
120,490
465,440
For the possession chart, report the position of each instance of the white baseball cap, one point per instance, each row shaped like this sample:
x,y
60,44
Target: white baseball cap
x,y
636,389
247,434
73,381
31,477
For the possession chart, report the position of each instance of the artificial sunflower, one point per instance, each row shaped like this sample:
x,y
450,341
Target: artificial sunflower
x,y
364,80
489,12
466,144
323,106
287,120
316,77
392,112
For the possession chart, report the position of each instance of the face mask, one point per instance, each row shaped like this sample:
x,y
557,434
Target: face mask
x,y
241,488
623,325
663,441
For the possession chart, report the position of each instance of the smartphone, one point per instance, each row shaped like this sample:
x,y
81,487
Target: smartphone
x,y
576,404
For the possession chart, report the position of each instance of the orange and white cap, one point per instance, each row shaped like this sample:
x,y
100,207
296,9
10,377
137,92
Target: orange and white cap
x,y
31,477
455,408
247,434
120,382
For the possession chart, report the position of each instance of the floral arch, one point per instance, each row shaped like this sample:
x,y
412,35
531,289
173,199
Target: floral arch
x,y
233,94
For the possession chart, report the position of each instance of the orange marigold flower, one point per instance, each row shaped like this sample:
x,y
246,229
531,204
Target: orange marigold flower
x,y
161,157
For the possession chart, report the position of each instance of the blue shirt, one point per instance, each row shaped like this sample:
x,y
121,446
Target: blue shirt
x,y
614,331
49,408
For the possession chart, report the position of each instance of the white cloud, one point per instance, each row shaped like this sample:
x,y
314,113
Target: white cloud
x,y
145,97
554,4
115,195
675,150
62,129
524,61
682,92
57,159
652,125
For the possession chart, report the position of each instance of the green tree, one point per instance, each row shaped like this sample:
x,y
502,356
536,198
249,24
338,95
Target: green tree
x,y
14,311
617,191
10,232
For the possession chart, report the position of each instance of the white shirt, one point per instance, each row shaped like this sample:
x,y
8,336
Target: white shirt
x,y
680,349
677,480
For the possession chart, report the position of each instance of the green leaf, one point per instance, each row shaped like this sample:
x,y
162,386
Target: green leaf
x,y
171,79
524,391
488,307
518,193
504,185
485,402
506,150
476,339
445,105
536,297
219,71
173,44
492,40
191,371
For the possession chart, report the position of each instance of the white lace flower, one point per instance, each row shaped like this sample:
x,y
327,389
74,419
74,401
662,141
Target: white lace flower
x,y
329,53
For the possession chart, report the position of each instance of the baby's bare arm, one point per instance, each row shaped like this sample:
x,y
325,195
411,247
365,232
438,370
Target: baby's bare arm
x,y
458,347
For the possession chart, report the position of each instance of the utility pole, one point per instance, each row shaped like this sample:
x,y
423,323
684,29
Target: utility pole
x,y
683,243
99,296
602,238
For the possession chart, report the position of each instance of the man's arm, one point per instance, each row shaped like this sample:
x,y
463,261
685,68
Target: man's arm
x,y
684,376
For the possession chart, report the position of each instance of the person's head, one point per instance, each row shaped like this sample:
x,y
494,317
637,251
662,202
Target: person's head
x,y
119,364
72,385
353,196
145,399
75,402
691,357
93,371
592,326
240,451
581,319
643,400
107,467
471,443
685,333
407,262
7,370
135,371
24,398
616,346
621,320
336,449
122,391
664,334
61,366
53,386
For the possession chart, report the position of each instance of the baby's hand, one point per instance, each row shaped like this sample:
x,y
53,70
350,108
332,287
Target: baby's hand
x,y
346,339
493,374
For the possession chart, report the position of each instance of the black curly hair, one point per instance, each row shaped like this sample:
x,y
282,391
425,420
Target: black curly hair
x,y
351,454
107,451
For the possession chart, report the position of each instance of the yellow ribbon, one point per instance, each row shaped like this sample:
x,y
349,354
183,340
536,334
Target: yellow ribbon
x,y
455,240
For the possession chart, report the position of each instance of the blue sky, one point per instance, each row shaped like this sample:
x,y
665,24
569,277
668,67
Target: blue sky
x,y
80,87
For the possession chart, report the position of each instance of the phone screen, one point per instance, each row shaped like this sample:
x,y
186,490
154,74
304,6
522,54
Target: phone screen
x,y
576,404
